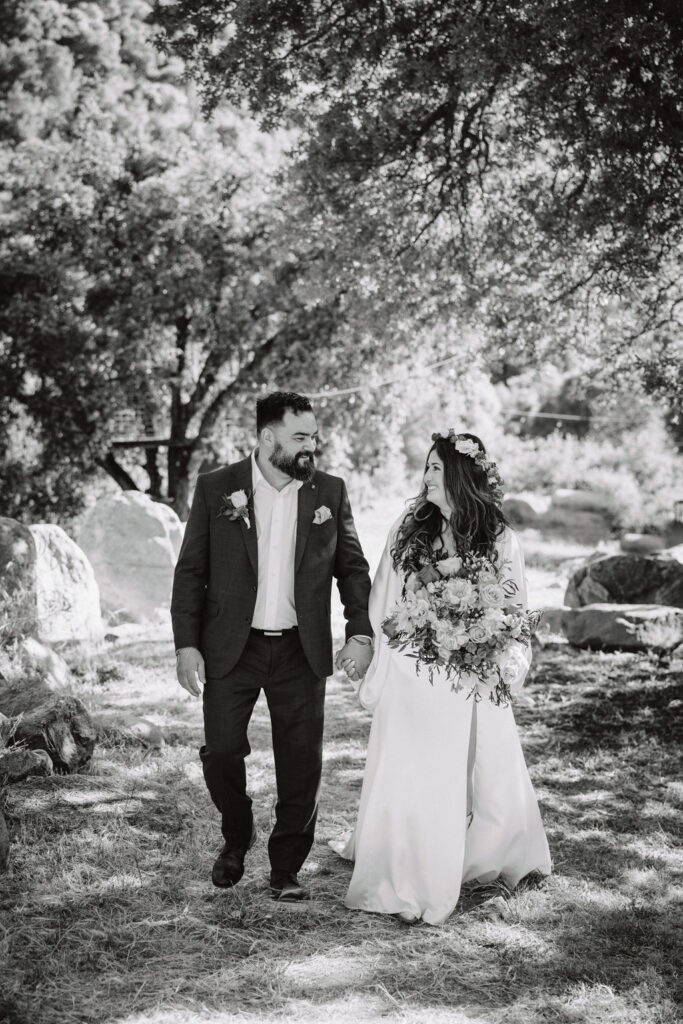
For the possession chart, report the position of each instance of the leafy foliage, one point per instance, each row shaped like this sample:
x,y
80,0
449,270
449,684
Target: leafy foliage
x,y
547,133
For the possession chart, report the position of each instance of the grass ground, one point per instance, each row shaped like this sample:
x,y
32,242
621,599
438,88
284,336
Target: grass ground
x,y
108,914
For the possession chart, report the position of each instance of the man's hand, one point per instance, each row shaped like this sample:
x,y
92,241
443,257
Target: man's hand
x,y
189,667
355,658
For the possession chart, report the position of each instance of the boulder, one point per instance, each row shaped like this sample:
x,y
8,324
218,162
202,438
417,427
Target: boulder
x,y
551,621
20,763
17,579
117,726
519,511
627,579
67,595
23,691
641,543
62,727
133,544
581,501
624,627
38,660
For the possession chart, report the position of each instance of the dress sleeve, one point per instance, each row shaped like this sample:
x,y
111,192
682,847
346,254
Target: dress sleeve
x,y
516,659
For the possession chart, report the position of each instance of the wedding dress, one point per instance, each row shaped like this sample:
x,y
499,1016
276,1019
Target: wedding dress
x,y
446,794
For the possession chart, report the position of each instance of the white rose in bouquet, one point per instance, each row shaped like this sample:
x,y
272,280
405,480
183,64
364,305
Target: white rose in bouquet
x,y
491,595
480,632
450,566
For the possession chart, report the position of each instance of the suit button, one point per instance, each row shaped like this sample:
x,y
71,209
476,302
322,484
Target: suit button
x,y
254,589
247,619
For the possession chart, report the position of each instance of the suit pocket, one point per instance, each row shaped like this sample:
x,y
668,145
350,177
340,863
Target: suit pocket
x,y
211,609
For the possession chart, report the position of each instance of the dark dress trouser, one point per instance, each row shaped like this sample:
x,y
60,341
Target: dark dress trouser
x,y
296,698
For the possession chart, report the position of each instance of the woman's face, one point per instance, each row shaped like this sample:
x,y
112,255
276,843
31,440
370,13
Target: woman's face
x,y
434,482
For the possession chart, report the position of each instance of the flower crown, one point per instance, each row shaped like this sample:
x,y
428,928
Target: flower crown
x,y
466,446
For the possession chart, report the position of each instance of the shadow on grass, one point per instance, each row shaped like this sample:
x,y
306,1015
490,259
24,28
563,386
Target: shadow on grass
x,y
116,919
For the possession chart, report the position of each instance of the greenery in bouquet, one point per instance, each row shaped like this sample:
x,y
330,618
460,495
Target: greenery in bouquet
x,y
458,615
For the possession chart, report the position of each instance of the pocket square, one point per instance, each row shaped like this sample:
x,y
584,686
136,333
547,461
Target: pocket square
x,y
321,515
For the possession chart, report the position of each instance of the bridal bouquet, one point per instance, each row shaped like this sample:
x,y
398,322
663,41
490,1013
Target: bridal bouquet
x,y
458,615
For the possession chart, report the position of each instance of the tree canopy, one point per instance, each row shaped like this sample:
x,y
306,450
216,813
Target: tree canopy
x,y
533,146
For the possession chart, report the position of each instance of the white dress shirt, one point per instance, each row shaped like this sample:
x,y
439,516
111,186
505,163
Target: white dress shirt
x,y
275,513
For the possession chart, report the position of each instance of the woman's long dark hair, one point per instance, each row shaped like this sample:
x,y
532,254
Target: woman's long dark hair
x,y
476,518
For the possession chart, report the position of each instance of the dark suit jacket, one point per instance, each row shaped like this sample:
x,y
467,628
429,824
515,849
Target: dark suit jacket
x,y
214,587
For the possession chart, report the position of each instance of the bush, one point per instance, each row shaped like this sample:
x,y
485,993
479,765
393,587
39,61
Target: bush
x,y
641,476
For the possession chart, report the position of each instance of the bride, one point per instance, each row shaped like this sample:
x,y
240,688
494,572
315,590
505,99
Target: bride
x,y
446,794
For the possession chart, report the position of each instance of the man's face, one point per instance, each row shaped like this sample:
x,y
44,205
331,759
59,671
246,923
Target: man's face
x,y
294,444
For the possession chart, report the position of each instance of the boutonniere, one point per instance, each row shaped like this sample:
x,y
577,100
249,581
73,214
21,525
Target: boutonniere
x,y
321,515
235,506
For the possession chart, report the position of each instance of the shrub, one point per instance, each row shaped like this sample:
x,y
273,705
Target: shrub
x,y
641,476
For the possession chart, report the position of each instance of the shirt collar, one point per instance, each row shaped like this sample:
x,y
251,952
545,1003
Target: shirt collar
x,y
259,480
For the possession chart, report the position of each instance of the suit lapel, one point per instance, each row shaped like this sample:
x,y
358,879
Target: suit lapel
x,y
306,507
242,475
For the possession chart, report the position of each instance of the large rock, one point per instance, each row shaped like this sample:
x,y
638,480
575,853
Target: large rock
x,y
19,763
519,511
627,579
17,579
24,690
133,544
67,595
62,727
117,726
624,627
42,662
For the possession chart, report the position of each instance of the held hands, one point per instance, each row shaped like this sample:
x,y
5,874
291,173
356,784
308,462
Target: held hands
x,y
190,670
355,657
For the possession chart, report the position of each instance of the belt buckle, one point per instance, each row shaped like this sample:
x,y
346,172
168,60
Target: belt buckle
x,y
272,632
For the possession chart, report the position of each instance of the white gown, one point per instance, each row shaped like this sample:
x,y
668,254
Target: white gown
x,y
435,762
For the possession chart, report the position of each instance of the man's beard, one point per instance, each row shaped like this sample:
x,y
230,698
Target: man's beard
x,y
299,467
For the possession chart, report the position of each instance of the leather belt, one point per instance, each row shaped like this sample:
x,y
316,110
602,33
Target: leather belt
x,y
274,632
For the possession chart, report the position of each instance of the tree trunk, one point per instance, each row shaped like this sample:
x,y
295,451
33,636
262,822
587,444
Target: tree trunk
x,y
179,451
152,467
179,479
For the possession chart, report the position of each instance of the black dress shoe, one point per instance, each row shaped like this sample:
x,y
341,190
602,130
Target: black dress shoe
x,y
285,887
229,867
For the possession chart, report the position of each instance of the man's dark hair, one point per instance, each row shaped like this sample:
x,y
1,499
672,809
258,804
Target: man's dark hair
x,y
272,408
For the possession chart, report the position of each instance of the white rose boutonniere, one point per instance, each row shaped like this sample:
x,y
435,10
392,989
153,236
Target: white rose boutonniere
x,y
235,506
321,515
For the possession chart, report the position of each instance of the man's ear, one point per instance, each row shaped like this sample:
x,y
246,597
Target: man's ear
x,y
266,437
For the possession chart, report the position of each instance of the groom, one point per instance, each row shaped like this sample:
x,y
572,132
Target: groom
x,y
251,611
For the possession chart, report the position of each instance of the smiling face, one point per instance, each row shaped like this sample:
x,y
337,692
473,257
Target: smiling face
x,y
435,482
290,445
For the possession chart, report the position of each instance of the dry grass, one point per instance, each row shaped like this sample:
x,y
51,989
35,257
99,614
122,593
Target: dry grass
x,y
108,914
